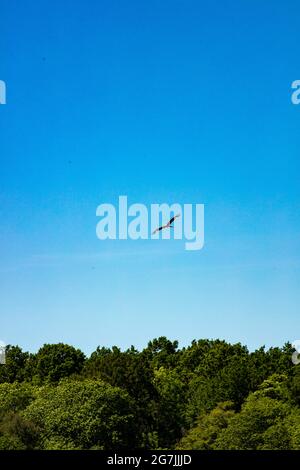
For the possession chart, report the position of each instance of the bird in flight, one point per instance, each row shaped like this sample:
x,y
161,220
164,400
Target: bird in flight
x,y
168,225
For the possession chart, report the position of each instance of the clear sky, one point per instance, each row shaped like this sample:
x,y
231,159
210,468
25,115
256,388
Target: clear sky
x,y
162,101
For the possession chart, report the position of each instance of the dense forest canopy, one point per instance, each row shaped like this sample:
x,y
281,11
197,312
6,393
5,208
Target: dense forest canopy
x,y
209,395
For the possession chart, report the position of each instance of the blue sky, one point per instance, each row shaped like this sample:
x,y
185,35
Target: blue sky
x,y
162,101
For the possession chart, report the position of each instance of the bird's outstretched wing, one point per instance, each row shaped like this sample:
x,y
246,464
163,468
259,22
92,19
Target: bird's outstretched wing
x,y
168,225
158,229
173,218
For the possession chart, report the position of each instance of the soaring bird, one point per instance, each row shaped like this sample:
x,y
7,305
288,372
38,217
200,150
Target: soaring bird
x,y
168,225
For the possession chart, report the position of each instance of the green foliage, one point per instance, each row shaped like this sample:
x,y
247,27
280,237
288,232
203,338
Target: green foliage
x,y
170,406
14,370
209,395
259,424
207,429
263,363
294,386
56,361
276,386
16,397
84,414
292,425
162,352
228,379
11,443
17,433
59,443
131,371
15,428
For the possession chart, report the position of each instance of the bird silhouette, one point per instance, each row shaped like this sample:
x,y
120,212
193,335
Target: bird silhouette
x,y
168,225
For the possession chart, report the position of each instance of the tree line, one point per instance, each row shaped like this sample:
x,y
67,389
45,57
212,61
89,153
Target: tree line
x,y
210,395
